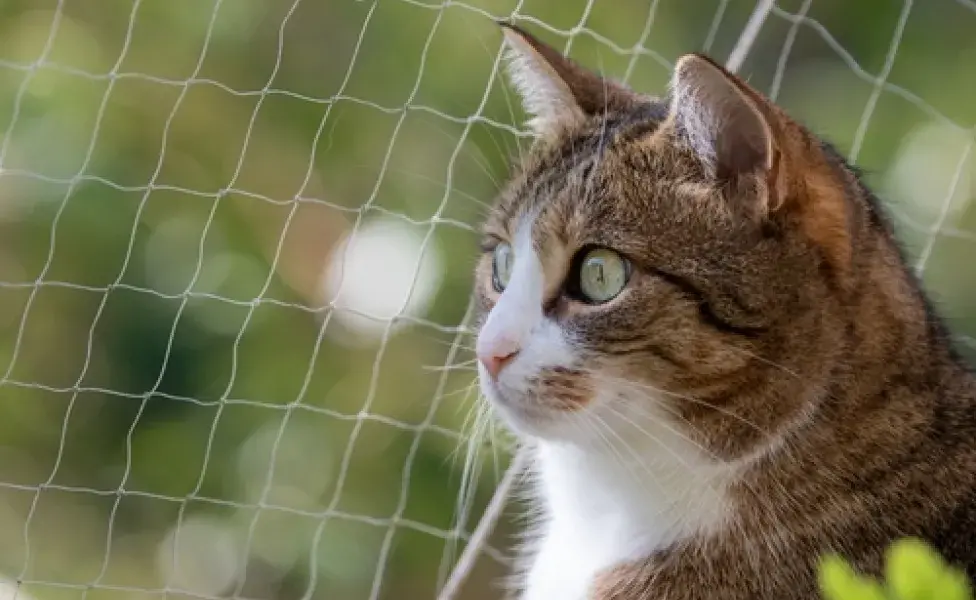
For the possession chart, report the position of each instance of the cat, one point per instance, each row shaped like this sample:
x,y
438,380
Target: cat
x,y
694,316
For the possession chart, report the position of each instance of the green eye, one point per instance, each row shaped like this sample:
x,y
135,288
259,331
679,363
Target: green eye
x,y
602,275
501,266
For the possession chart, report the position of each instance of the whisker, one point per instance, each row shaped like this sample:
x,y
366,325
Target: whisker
x,y
466,425
467,365
480,161
609,406
641,386
469,478
666,506
759,497
507,154
762,359
452,344
465,390
594,421
493,443
426,178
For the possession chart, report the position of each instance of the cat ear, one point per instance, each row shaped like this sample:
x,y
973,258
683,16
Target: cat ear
x,y
719,118
556,92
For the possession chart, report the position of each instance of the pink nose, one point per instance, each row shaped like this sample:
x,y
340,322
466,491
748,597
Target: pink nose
x,y
494,362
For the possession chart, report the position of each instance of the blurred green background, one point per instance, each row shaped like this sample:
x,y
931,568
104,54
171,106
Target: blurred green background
x,y
191,406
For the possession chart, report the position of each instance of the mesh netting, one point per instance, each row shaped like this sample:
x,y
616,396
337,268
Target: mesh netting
x,y
236,242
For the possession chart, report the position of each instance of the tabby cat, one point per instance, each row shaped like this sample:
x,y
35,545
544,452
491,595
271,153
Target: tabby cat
x,y
695,317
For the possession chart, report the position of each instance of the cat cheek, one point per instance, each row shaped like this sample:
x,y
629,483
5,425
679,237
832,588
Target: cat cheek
x,y
485,300
484,305
565,389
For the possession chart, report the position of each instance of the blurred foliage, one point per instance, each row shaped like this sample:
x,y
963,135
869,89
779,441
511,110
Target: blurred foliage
x,y
913,571
184,414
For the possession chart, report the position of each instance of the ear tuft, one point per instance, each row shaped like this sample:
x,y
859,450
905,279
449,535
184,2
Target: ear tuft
x,y
546,96
719,120
556,91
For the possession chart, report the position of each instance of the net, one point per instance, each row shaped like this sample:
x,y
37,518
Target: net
x,y
236,240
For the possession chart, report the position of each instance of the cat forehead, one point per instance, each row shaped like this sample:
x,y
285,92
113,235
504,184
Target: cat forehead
x,y
598,183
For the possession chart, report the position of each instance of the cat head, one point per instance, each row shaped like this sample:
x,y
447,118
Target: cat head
x,y
680,257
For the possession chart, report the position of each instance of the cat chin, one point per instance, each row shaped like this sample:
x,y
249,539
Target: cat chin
x,y
526,417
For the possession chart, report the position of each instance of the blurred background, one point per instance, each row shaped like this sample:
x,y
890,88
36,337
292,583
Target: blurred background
x,y
236,248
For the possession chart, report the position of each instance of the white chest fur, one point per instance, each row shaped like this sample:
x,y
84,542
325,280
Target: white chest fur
x,y
607,506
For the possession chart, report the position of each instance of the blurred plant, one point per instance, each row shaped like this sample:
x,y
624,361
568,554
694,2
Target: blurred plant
x,y
913,571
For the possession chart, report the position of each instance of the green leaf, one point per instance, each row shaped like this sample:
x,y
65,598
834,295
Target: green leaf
x,y
838,581
913,571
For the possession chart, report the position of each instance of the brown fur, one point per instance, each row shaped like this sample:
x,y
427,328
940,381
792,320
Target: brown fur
x,y
782,304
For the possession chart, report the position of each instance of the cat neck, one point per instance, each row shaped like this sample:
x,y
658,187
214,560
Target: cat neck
x,y
639,485
617,500
893,338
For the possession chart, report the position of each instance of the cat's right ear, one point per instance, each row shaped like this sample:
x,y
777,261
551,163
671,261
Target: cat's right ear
x,y
556,92
719,119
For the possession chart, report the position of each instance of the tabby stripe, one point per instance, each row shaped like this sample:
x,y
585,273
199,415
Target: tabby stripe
x,y
649,347
707,314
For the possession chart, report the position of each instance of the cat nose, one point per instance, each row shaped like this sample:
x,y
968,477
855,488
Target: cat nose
x,y
494,357
494,363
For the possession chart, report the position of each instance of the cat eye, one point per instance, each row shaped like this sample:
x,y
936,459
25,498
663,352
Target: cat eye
x,y
502,260
602,275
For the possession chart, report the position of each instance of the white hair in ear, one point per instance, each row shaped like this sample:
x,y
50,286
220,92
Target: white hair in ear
x,y
720,123
696,120
545,95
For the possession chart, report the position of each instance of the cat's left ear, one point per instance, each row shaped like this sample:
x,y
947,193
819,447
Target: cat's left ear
x,y
556,92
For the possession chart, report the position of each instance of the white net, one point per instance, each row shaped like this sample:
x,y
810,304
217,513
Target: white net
x,y
236,239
